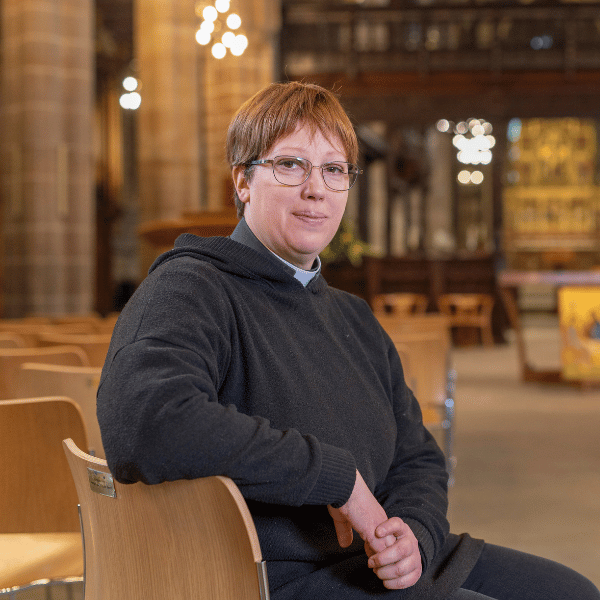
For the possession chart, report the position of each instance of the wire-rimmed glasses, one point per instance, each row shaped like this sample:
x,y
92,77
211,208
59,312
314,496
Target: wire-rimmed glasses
x,y
338,176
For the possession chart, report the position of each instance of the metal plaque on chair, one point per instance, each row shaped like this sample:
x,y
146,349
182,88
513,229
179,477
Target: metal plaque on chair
x,y
101,483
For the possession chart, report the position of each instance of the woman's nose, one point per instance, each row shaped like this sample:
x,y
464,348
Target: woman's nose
x,y
315,184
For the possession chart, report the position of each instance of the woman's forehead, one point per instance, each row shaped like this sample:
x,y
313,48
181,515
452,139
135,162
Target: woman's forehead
x,y
307,136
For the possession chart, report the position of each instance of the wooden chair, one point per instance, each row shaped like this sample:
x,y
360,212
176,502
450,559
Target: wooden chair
x,y
31,331
92,318
425,340
400,303
39,523
8,339
78,383
26,331
11,360
178,540
94,345
469,310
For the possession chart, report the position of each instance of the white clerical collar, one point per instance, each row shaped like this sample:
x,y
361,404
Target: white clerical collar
x,y
302,275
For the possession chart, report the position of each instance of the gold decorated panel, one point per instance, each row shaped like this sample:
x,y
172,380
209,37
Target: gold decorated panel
x,y
552,200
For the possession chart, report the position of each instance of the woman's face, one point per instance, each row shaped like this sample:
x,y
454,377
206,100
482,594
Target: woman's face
x,y
295,222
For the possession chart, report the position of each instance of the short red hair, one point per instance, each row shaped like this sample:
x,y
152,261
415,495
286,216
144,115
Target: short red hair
x,y
275,112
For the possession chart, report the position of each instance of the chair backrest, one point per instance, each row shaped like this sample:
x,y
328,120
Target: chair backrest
x,y
38,495
25,330
178,540
8,339
11,360
402,303
95,345
466,304
426,340
78,383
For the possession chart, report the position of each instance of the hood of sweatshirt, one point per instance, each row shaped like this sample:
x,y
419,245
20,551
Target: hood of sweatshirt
x,y
235,258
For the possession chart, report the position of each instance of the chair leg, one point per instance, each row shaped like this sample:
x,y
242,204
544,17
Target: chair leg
x,y
487,336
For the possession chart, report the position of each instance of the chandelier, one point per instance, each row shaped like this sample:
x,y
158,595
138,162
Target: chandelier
x,y
221,27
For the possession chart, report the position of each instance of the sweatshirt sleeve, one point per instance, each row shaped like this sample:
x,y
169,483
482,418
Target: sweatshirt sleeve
x,y
415,488
160,416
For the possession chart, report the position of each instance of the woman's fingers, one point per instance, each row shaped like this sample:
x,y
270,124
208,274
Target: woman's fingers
x,y
399,565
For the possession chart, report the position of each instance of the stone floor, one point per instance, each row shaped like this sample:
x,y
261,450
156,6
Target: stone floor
x,y
528,470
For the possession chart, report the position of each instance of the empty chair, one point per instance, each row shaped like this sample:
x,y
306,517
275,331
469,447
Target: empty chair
x,y
11,360
78,383
8,339
25,330
425,340
178,540
94,345
39,523
469,310
402,303
92,318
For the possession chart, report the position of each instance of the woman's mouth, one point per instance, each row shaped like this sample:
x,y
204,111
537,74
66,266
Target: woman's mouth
x,y
310,216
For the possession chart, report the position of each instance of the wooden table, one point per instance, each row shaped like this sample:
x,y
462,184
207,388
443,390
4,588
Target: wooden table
x,y
508,285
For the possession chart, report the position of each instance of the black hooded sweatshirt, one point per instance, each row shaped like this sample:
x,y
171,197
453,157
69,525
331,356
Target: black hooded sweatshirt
x,y
222,363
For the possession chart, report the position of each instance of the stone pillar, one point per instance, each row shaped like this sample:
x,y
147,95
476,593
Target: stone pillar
x,y
48,217
439,197
230,81
168,120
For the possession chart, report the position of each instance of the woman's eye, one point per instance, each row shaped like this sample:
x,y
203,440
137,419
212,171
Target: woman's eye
x,y
335,169
289,164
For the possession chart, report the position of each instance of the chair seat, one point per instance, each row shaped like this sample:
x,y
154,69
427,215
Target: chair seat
x,y
25,557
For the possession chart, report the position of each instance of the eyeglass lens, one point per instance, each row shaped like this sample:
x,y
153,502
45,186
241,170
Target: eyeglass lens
x,y
338,176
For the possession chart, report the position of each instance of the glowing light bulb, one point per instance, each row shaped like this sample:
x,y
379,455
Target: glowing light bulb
x,y
228,39
219,50
476,177
443,125
233,21
222,5
210,13
239,45
130,101
202,37
130,83
464,177
207,26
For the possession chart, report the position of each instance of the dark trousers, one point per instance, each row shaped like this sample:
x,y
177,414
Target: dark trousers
x,y
499,574
504,574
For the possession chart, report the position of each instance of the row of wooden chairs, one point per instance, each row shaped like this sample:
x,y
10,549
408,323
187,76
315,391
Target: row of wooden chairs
x,y
462,310
40,331
139,541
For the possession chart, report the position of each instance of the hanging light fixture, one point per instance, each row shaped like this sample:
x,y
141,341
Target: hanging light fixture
x,y
131,98
219,27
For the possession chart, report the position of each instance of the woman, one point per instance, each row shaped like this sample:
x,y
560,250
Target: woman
x,y
235,358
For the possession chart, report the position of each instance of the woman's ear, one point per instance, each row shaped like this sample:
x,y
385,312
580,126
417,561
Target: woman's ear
x,y
241,183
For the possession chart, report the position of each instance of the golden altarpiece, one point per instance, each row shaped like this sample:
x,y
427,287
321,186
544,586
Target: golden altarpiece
x,y
552,197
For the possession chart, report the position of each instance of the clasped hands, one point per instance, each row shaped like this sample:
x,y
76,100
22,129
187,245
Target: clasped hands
x,y
390,544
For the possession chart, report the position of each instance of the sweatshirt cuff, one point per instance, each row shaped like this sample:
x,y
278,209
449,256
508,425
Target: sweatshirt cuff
x,y
336,479
426,545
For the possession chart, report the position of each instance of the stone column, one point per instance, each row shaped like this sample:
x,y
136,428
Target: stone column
x,y
168,117
46,149
230,81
